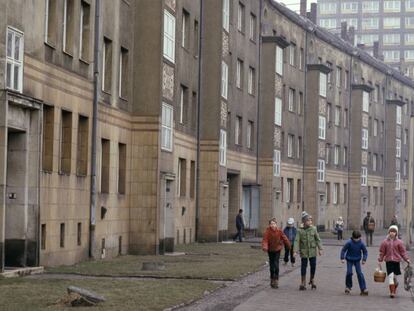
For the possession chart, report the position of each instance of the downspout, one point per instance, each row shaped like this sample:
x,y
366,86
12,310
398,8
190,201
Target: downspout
x,y
197,202
40,144
305,96
96,53
348,153
384,160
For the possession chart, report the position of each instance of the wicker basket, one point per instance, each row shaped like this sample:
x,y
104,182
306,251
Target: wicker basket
x,y
379,276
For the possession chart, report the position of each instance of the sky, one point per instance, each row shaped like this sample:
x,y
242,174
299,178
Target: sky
x,y
294,4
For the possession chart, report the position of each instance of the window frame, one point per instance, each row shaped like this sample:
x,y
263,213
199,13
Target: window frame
x,y
169,38
167,128
12,61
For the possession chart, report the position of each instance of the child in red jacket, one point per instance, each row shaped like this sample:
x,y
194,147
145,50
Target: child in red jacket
x,y
392,251
273,241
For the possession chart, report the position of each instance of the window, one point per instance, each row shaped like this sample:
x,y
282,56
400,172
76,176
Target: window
x,y
391,56
301,58
279,60
291,100
239,74
249,134
351,22
345,193
365,101
338,76
398,148
240,18
364,176
278,111
405,136
185,30
289,197
251,81
167,127
336,194
181,177
370,6
123,73
337,115
370,23
322,84
290,145
238,131
62,235
82,151
192,179
346,79
51,21
299,191
409,22
364,139
375,127
349,7
329,78
322,127
107,65
409,38
392,22
226,15
183,103
392,6
252,28
14,66
329,23
409,5
65,142
344,156
68,25
79,234
276,162
321,171
292,54
224,79
169,36
376,93
196,42
223,147
336,155
328,192
391,39
409,55
43,236
122,159
85,26
105,165
367,40
327,8
299,148
48,138
374,162
398,114
300,103
397,181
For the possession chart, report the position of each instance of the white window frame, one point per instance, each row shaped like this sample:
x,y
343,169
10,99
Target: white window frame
x,y
252,27
409,5
370,23
237,131
279,60
181,104
65,10
392,6
278,111
223,148
240,15
323,83
364,144
336,155
374,162
336,194
82,16
398,115
250,81
370,6
12,61
375,128
291,100
249,134
337,115
398,148
322,127
327,8
321,171
349,7
290,146
167,121
169,36
238,73
47,22
292,52
226,15
364,176
365,101
397,181
392,22
224,79
183,27
276,163
289,185
345,151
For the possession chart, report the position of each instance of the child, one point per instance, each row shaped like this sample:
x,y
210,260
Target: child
x,y
392,251
273,241
339,227
290,232
352,251
308,244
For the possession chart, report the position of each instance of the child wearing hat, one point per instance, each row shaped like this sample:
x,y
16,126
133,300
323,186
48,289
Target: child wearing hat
x,y
353,251
308,244
290,232
273,241
392,251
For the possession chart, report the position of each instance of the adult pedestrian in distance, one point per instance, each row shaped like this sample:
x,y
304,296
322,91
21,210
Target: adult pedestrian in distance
x,y
290,232
394,222
369,228
339,227
239,226
273,241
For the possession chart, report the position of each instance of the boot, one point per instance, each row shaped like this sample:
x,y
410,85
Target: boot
x,y
392,291
272,282
303,283
276,283
312,284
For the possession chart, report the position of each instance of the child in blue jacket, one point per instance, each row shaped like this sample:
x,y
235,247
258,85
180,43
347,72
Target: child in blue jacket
x,y
353,251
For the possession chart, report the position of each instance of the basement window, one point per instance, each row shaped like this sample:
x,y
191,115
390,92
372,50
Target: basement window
x,y
79,233
62,235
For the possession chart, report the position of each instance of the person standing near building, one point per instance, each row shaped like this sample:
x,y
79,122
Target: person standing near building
x,y
308,245
273,241
239,226
290,232
394,222
339,227
369,228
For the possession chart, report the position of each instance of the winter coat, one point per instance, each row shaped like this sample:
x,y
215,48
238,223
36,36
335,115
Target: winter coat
x,y
352,251
290,232
367,220
307,241
392,250
239,222
274,240
339,226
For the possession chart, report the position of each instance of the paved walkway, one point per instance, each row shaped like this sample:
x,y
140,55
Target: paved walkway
x,y
330,295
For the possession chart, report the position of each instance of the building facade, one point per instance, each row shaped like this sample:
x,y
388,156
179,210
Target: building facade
x,y
134,126
390,22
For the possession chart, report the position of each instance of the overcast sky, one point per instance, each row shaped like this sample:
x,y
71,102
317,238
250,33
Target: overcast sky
x,y
294,4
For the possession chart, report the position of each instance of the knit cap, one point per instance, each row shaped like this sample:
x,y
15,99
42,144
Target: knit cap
x,y
305,216
393,228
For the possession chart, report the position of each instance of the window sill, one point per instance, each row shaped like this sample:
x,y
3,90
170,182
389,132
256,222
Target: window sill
x,y
67,53
106,92
81,175
166,150
51,45
82,60
63,173
252,41
123,98
47,171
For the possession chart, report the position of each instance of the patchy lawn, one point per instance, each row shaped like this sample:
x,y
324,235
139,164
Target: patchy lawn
x,y
205,260
130,294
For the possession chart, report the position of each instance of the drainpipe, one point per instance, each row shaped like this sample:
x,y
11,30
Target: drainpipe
x,y
96,53
197,202
305,96
384,161
348,153
40,144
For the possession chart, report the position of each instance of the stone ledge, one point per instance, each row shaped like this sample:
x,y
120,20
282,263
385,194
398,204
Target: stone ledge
x,y
19,272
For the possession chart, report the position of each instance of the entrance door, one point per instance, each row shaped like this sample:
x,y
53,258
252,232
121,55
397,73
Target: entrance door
x,y
251,207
